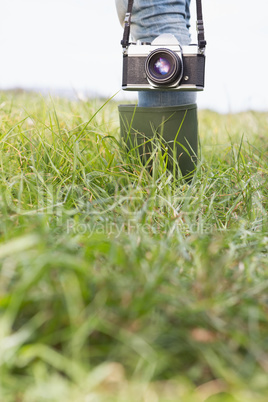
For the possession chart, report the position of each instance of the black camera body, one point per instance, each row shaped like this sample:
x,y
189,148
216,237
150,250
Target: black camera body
x,y
163,65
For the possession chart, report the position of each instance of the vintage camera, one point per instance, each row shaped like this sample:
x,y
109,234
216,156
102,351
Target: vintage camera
x,y
163,65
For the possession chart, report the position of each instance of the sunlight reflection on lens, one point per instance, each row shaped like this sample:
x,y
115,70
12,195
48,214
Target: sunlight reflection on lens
x,y
162,66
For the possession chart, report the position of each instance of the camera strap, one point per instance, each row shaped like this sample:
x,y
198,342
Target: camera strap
x,y
199,26
127,20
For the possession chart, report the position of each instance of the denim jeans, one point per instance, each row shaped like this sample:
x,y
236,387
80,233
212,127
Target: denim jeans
x,y
151,18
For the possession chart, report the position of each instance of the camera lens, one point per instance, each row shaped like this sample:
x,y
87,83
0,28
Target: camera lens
x,y
163,67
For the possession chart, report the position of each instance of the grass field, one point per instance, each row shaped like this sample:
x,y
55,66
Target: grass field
x,y
118,285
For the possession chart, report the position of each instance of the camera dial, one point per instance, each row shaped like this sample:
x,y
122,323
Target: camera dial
x,y
163,67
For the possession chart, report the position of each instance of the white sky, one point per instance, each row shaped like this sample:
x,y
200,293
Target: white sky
x,y
75,44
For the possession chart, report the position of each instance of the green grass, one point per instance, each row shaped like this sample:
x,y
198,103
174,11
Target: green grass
x,y
118,285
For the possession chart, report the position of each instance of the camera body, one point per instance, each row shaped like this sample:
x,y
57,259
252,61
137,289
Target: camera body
x,y
163,65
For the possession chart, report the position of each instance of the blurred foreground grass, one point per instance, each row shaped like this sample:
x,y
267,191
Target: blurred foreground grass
x,y
121,286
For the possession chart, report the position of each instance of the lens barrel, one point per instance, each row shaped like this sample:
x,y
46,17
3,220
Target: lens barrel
x,y
163,67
